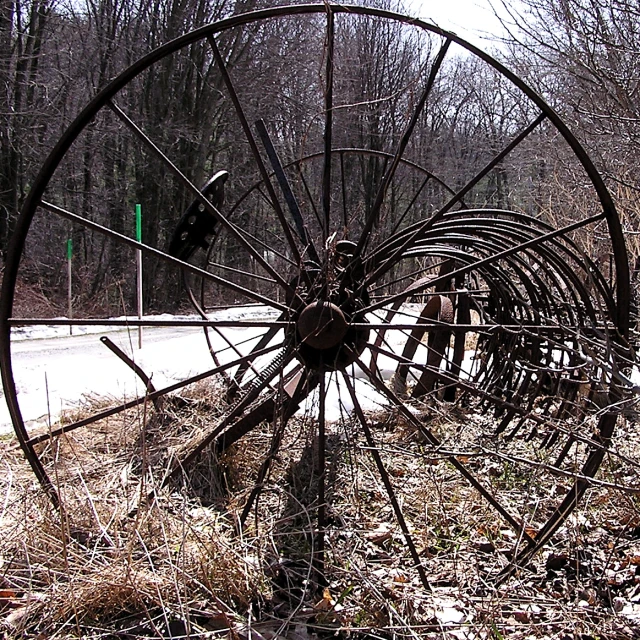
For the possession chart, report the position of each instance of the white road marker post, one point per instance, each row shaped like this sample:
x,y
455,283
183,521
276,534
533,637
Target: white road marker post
x,y
139,270
69,302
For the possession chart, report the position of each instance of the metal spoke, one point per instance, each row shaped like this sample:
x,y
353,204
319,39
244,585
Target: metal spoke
x,y
384,476
283,410
254,147
195,192
404,141
320,474
328,123
233,415
148,397
420,228
287,192
433,441
185,266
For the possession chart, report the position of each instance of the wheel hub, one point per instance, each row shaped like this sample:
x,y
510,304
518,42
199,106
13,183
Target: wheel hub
x,y
334,298
322,325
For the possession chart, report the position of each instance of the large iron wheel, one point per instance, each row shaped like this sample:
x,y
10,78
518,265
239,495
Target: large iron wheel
x,y
374,274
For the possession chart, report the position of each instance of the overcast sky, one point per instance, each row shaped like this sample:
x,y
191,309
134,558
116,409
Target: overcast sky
x,y
474,20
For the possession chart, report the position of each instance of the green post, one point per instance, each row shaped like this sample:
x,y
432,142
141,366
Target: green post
x,y
139,270
69,304
139,223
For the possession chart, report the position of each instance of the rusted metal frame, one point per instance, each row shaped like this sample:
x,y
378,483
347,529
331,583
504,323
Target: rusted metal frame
x,y
63,213
136,322
381,340
282,412
462,317
374,214
435,442
226,78
235,385
409,235
568,247
386,480
286,189
606,427
490,259
546,256
526,414
440,308
395,308
234,413
149,397
195,192
328,122
136,368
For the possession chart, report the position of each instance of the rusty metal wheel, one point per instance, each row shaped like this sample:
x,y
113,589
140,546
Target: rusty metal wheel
x,y
422,282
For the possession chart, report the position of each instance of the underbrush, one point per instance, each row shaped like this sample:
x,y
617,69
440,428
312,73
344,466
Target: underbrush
x,y
131,558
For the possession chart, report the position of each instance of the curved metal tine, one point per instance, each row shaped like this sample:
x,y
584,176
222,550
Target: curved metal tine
x,y
489,260
328,123
384,476
254,147
288,405
606,427
433,440
195,192
408,275
149,397
372,218
287,192
420,228
408,208
63,213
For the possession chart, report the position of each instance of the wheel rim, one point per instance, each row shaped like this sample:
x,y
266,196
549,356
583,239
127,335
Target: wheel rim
x,y
335,316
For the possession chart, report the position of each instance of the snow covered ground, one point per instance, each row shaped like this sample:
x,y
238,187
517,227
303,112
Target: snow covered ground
x,y
55,372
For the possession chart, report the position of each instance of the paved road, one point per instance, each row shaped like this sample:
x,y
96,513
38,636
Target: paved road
x,y
54,374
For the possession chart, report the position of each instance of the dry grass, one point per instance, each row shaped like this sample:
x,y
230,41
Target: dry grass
x,y
117,564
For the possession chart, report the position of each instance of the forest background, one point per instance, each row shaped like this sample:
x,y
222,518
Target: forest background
x,y
582,56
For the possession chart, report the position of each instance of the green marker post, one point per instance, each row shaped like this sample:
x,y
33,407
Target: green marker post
x,y
139,270
69,302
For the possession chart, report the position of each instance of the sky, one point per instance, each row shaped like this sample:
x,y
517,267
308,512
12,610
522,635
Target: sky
x,y
473,20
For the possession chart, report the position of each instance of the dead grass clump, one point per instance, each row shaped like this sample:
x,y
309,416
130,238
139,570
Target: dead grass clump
x,y
128,558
